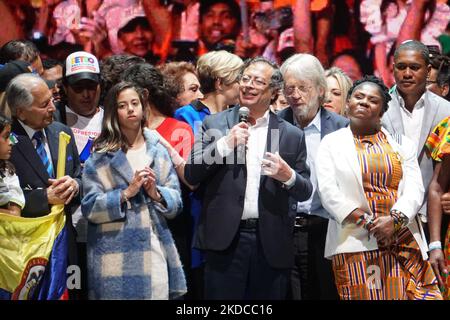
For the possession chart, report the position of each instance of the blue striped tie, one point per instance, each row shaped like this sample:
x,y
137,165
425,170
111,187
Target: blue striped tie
x,y
40,149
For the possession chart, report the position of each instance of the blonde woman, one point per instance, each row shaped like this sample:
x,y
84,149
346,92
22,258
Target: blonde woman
x,y
218,73
338,84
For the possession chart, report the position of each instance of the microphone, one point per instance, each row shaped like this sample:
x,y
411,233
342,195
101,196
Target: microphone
x,y
243,117
243,114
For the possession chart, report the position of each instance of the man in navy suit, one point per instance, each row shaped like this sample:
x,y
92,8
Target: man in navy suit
x,y
35,156
245,225
305,89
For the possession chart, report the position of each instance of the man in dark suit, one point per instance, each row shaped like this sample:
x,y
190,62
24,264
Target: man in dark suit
x,y
35,156
305,89
245,227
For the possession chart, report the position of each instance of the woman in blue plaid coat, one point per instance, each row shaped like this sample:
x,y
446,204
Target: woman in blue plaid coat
x,y
130,187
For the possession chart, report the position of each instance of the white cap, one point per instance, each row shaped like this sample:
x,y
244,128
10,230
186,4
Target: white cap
x,y
117,15
82,65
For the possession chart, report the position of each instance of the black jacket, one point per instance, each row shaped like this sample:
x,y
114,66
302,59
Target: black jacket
x,y
225,184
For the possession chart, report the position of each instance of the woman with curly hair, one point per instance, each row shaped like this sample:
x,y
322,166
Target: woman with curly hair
x,y
370,183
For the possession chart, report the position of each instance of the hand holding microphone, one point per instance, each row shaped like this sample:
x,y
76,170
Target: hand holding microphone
x,y
238,135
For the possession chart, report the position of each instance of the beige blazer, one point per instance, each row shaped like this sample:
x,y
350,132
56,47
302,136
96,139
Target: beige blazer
x,y
341,191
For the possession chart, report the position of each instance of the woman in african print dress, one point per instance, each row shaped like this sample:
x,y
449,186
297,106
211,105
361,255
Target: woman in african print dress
x,y
438,144
370,183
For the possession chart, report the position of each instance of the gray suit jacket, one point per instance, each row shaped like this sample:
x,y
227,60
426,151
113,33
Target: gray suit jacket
x,y
436,109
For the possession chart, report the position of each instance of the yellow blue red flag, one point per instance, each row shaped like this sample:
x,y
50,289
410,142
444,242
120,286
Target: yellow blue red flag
x,y
33,251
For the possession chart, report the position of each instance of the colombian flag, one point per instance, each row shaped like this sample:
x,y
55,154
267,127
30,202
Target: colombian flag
x,y
33,257
33,251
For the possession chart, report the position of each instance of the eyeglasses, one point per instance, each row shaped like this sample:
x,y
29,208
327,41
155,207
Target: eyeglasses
x,y
304,90
258,83
13,138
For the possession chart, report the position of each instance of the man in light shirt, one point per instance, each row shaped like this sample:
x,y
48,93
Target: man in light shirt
x,y
246,225
414,111
305,88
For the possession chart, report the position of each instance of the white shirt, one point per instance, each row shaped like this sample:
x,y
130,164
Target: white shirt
x,y
312,139
83,127
138,160
30,132
256,146
412,121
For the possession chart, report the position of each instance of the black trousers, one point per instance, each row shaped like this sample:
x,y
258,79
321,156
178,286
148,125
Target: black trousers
x,y
242,273
312,276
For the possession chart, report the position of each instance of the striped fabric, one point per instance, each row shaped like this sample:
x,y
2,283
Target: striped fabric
x,y
446,290
438,145
391,273
40,149
438,142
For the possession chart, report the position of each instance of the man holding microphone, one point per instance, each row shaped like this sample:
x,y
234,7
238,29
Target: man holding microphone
x,y
247,220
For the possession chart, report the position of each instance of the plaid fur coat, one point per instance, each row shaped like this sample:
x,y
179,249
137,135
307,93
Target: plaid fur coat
x,y
118,245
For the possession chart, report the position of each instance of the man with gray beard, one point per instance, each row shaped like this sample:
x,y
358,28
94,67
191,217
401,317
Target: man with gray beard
x,y
304,89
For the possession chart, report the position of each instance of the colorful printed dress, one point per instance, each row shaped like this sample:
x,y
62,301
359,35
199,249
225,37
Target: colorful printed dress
x,y
438,144
397,272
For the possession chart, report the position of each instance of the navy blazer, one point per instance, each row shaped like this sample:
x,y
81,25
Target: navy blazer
x,y
34,177
225,183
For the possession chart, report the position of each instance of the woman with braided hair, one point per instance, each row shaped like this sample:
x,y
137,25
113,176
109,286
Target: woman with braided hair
x,y
370,183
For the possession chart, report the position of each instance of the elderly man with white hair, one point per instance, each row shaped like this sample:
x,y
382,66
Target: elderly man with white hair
x,y
35,156
305,87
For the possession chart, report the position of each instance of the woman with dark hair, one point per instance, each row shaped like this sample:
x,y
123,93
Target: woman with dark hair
x,y
12,199
130,187
370,183
175,135
159,109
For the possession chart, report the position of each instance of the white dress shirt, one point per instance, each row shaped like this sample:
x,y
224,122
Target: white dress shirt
x,y
412,121
30,132
312,139
256,146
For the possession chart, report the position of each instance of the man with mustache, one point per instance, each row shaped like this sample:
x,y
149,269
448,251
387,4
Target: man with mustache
x,y
246,223
305,87
414,111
